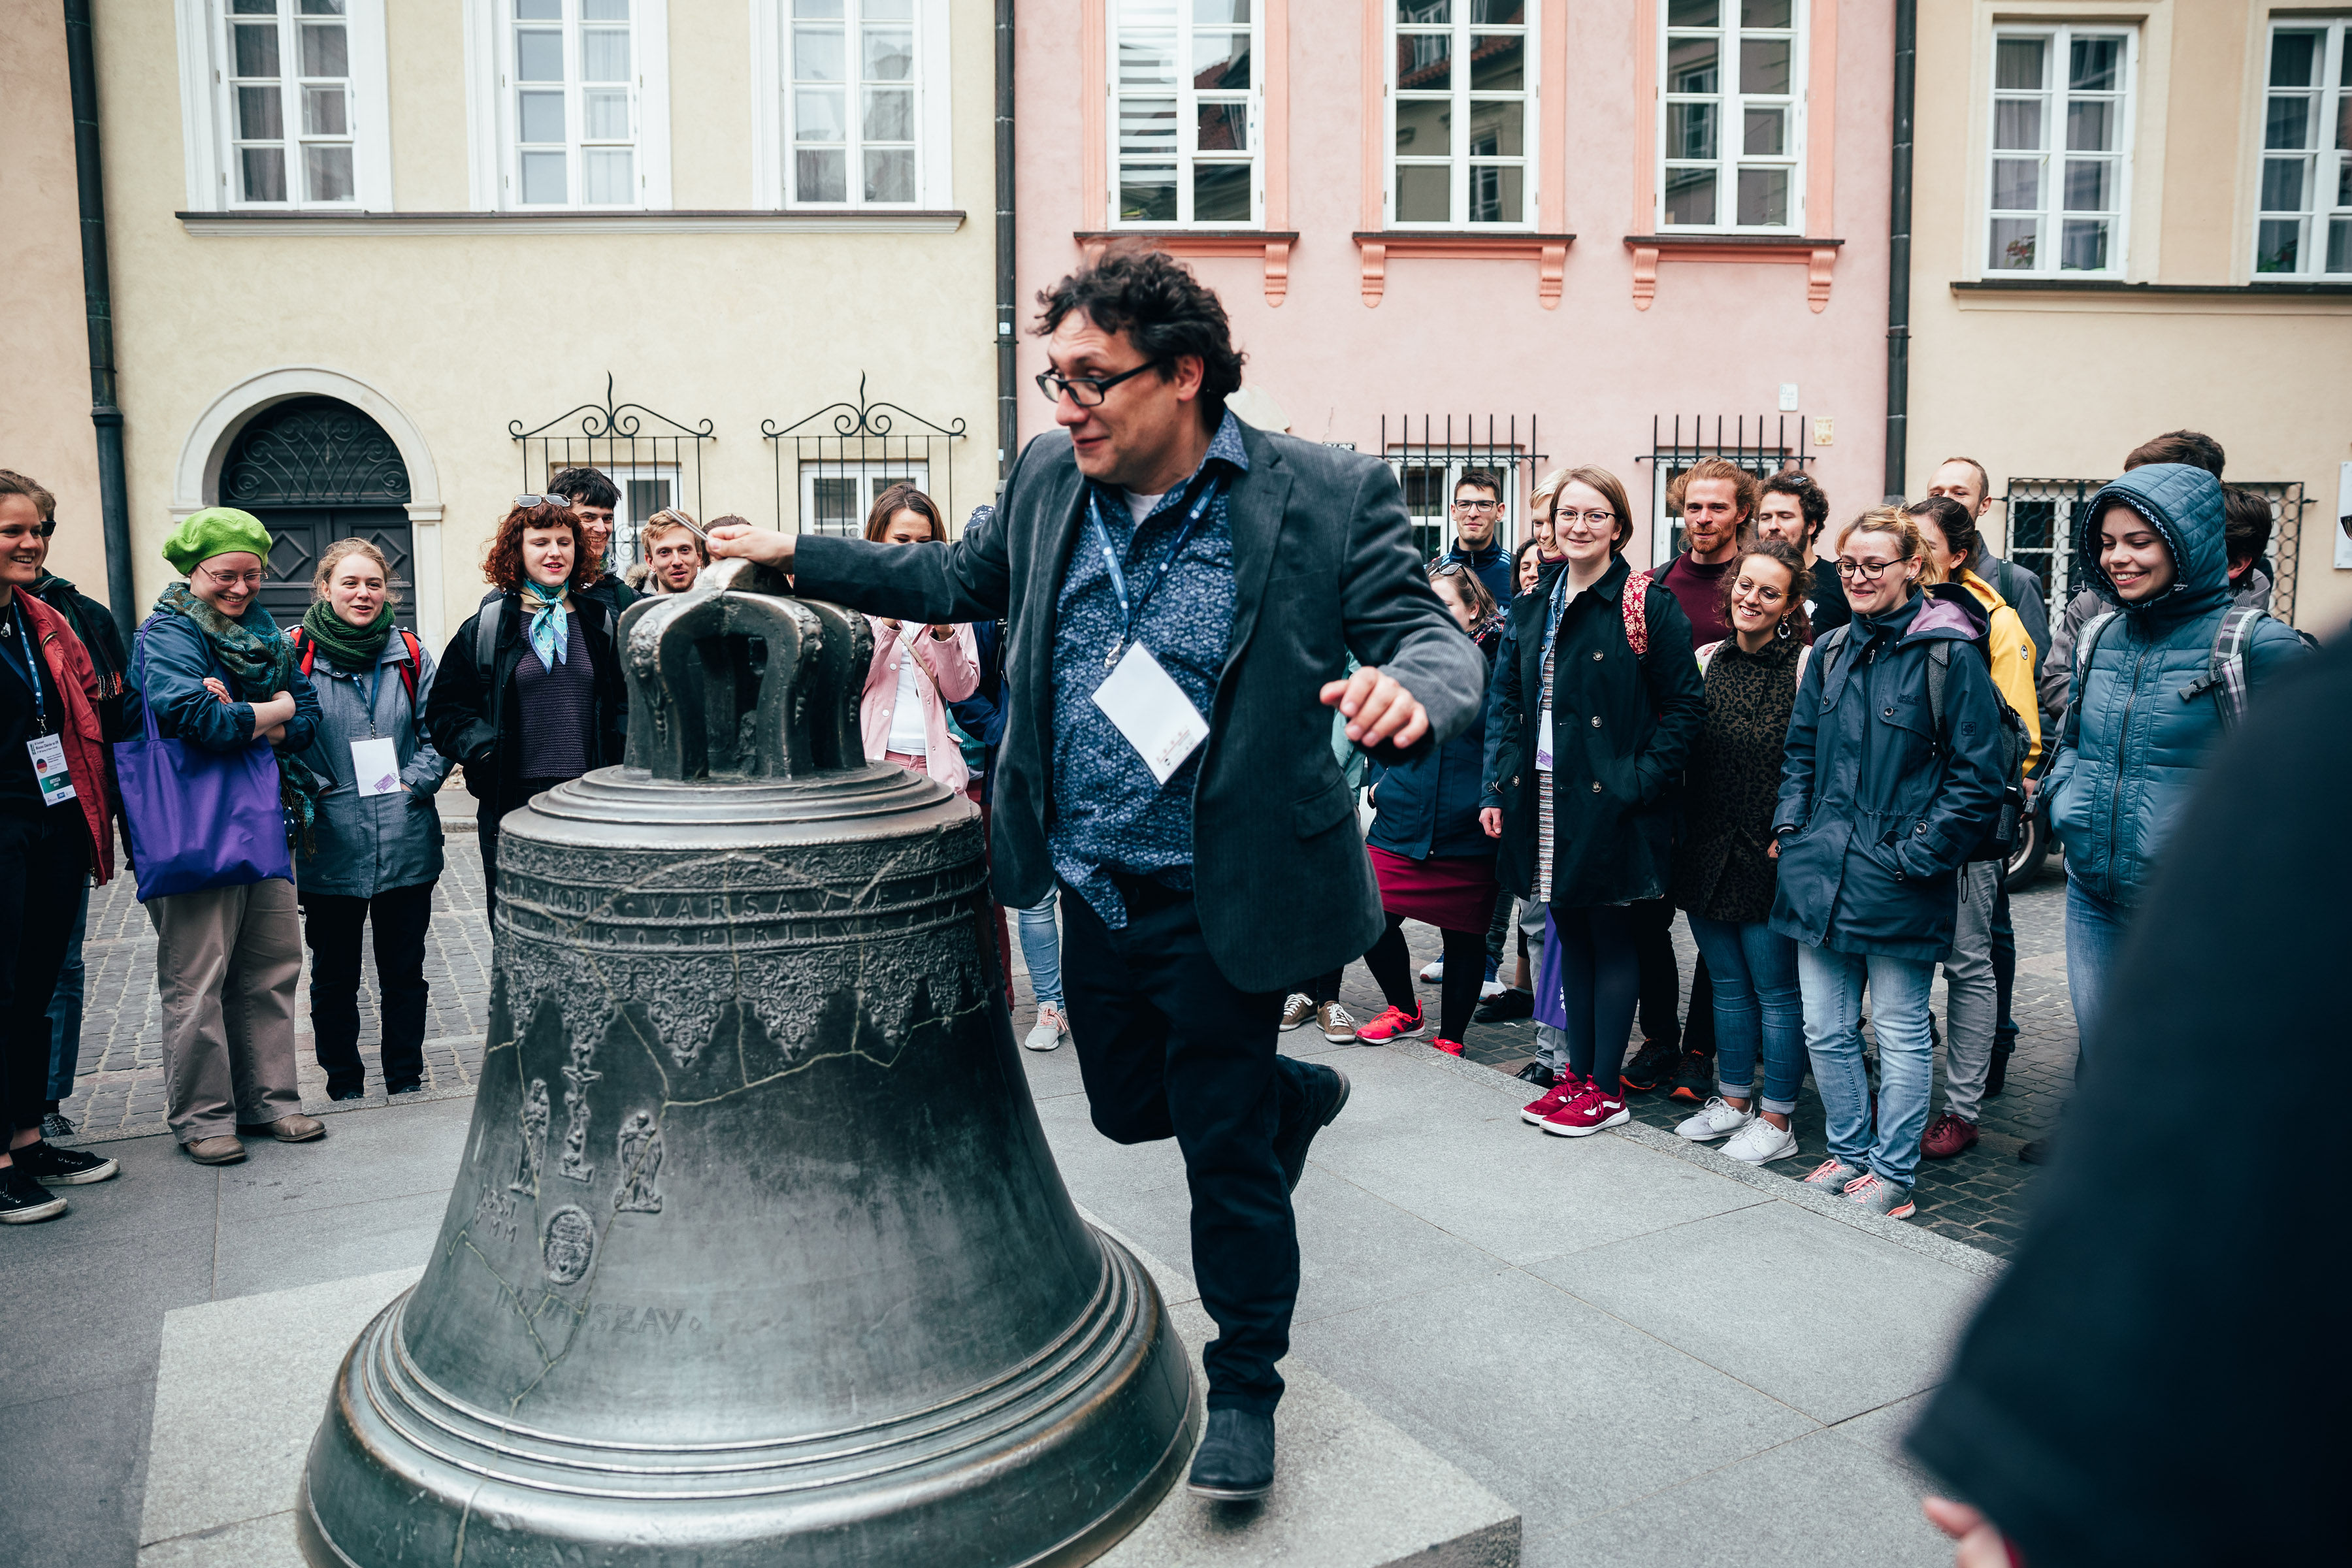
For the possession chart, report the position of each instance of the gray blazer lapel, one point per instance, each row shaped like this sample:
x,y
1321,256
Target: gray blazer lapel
x,y
1253,512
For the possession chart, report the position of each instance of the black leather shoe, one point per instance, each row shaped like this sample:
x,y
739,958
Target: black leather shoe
x,y
1234,1462
412,1086
1330,1095
1512,1003
1538,1074
1997,1075
2038,1150
340,1094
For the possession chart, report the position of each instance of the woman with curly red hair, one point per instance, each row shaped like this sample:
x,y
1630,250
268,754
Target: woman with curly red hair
x,y
530,691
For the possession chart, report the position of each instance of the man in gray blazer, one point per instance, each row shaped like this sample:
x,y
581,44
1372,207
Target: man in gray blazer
x,y
1181,594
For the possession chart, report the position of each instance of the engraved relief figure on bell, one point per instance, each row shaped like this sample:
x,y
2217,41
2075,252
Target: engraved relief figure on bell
x,y
570,1245
641,1158
578,1075
534,1139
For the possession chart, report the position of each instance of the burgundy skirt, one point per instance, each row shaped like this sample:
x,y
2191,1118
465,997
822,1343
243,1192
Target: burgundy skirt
x,y
1451,892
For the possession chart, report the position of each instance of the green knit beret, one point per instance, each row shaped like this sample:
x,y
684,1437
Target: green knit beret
x,y
215,530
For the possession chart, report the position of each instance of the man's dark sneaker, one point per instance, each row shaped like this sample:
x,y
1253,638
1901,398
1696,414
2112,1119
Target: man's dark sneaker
x,y
2038,1150
411,1087
1947,1135
23,1200
1996,1076
1693,1079
55,1125
1234,1462
1512,1003
1331,1090
1538,1074
346,1091
55,1167
1653,1064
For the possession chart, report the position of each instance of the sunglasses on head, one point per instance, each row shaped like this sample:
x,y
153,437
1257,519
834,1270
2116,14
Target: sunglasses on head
x,y
564,502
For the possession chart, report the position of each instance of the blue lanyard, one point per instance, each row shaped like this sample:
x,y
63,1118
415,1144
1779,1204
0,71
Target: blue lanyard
x,y
1130,609
20,660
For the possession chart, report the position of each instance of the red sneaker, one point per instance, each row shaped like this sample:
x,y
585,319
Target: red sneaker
x,y
1451,1048
1559,1094
1587,1113
1395,1024
1947,1135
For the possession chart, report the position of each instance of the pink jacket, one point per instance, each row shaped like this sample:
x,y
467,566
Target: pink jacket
x,y
952,665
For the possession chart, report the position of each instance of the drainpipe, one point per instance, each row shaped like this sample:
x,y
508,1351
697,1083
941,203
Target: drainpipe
x,y
1898,251
113,495
1007,329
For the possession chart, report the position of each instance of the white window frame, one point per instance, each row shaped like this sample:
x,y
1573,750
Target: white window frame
x,y
1190,99
1732,107
2051,214
627,524
772,121
2328,169
207,111
494,169
873,478
1434,535
1457,157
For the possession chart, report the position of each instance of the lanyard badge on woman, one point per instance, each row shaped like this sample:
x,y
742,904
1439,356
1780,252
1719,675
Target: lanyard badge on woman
x,y
47,751
1140,696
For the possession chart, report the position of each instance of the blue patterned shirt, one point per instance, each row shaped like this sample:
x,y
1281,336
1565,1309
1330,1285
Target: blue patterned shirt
x,y
1108,813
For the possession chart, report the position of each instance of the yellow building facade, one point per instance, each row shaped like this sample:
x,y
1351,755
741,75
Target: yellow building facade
x,y
379,267
2132,217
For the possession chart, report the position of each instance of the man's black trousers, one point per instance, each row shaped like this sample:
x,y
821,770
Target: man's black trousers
x,y
1169,1049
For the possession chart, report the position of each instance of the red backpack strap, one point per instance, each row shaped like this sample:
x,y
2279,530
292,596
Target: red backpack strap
x,y
408,673
1637,613
306,648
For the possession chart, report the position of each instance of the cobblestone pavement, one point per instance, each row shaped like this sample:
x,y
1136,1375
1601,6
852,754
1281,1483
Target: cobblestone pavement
x,y
1977,1199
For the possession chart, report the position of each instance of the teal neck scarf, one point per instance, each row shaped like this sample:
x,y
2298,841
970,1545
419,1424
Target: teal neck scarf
x,y
550,637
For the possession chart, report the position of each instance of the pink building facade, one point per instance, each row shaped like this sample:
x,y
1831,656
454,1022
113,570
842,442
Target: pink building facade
x,y
1621,232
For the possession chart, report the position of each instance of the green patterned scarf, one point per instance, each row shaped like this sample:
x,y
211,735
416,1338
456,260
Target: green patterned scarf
x,y
352,649
261,664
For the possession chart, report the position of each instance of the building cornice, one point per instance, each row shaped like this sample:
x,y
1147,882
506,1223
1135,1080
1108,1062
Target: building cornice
x,y
1818,257
1376,247
314,224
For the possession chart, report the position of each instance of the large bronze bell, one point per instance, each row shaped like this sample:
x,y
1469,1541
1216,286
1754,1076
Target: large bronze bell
x,y
758,1255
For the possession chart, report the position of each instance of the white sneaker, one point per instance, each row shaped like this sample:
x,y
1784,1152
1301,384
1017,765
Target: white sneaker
x,y
1491,989
1760,1142
1296,1010
1715,1120
1434,972
1049,1029
1339,1023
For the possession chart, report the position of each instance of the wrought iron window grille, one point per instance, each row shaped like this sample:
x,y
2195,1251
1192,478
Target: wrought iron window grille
x,y
652,459
2044,522
1429,466
832,464
313,451
1763,446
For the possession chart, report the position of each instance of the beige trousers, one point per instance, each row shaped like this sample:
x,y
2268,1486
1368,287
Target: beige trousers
x,y
226,962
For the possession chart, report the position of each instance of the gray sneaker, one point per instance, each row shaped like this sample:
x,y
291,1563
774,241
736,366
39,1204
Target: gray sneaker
x,y
1296,1010
1834,1176
1881,1197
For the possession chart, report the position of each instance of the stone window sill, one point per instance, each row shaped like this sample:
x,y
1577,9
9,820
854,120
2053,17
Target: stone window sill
x,y
1376,248
1818,257
250,224
1271,246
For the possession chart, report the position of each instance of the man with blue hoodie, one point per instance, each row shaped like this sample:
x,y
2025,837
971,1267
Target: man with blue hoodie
x,y
2155,685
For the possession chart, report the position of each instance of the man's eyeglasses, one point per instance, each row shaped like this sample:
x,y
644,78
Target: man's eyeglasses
x,y
1864,571
1086,391
564,502
1477,505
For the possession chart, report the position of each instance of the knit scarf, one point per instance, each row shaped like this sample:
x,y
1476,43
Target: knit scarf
x,y
350,649
551,636
261,665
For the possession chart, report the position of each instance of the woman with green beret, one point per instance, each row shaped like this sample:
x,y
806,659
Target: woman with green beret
x,y
213,668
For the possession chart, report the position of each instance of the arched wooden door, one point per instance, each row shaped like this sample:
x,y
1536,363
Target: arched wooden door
x,y
314,470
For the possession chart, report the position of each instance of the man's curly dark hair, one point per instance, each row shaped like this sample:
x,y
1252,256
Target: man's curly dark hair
x,y
1165,311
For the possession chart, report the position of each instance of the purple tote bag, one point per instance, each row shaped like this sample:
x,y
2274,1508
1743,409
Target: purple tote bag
x,y
199,819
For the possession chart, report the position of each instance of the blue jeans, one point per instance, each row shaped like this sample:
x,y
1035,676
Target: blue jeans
x,y
2095,935
1041,949
1757,1006
1832,985
64,1006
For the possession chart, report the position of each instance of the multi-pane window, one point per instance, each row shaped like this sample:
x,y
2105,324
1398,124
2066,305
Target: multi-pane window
x,y
289,81
1462,111
574,85
2306,225
2061,122
1734,110
1185,96
835,496
851,86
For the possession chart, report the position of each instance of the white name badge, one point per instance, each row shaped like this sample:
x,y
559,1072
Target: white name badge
x,y
1153,711
1543,742
49,770
376,765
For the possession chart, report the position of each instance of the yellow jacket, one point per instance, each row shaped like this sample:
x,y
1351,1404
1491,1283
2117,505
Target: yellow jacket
x,y
2013,661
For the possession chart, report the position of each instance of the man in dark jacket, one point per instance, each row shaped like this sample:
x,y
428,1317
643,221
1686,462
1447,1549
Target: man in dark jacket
x,y
1133,559
1477,531
1964,480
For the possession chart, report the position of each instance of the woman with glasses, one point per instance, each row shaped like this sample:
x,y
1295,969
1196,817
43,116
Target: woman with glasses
x,y
917,671
530,691
1433,857
1590,723
1886,788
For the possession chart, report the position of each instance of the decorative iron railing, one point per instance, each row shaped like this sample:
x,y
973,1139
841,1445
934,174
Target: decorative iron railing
x,y
1762,444
831,465
1430,463
2045,519
652,459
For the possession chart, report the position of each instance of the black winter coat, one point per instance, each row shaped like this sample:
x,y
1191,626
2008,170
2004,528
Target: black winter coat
x,y
459,713
1621,730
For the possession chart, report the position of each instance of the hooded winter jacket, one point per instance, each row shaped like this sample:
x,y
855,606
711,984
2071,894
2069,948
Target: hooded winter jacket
x,y
2132,744
1879,805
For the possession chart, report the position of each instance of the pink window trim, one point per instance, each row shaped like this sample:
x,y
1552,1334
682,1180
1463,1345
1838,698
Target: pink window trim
x,y
1271,248
1818,257
1375,249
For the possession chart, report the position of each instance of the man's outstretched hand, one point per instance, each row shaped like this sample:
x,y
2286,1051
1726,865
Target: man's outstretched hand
x,y
766,545
1380,711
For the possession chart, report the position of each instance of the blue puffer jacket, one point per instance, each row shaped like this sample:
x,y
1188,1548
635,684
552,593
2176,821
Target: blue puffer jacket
x,y
1883,807
1430,805
2130,750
